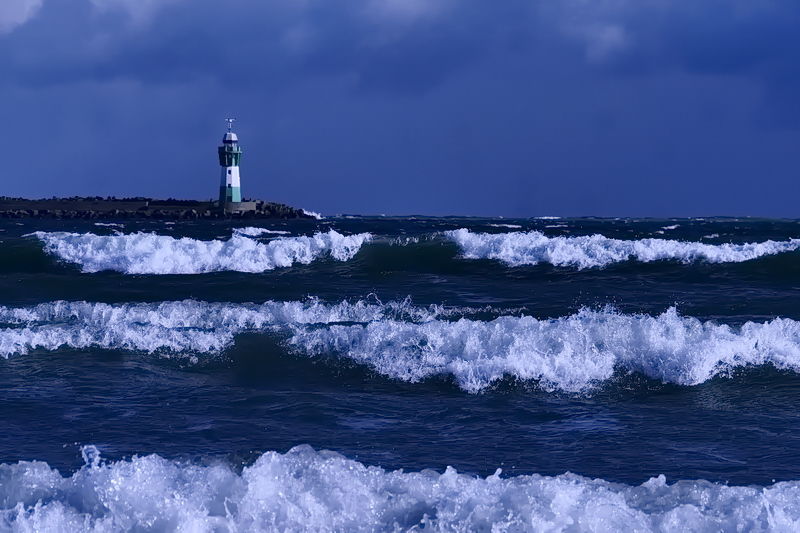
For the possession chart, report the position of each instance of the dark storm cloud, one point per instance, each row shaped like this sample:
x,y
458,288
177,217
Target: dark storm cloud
x,y
395,45
519,107
745,38
248,43
756,39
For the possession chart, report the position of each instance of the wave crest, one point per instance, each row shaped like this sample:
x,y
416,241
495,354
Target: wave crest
x,y
307,490
148,253
573,353
257,232
597,251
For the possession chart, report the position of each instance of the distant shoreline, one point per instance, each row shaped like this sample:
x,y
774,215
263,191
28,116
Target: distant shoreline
x,y
96,207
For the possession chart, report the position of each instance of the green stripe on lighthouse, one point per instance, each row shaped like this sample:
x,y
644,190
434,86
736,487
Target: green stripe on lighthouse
x,y
229,195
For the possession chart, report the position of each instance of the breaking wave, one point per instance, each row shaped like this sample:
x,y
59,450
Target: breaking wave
x,y
256,232
148,253
597,251
308,490
313,214
177,327
573,353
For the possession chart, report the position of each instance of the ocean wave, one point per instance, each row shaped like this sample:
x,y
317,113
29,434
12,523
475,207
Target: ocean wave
x,y
148,253
313,214
509,226
257,232
597,251
109,224
184,327
308,490
575,353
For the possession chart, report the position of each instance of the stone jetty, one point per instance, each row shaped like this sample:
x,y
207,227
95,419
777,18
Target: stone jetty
x,y
96,207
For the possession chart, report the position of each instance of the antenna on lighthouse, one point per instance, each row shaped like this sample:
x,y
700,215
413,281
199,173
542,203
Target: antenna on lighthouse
x,y
230,122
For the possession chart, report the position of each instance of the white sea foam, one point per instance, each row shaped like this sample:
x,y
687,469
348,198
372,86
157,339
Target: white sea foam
x,y
531,248
510,226
313,214
256,232
405,241
174,327
322,491
573,353
148,253
109,224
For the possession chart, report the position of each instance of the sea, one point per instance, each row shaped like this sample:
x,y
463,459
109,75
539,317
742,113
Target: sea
x,y
396,374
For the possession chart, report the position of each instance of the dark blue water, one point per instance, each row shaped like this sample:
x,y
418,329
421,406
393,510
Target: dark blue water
x,y
659,347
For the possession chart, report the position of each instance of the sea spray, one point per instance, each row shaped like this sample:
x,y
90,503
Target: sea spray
x,y
149,253
308,490
256,232
574,353
597,251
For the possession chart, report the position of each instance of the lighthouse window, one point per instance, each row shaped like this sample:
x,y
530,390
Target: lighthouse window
x,y
229,171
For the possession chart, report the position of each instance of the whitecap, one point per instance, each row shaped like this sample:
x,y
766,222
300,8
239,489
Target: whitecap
x,y
109,224
149,253
312,214
255,232
510,226
597,251
309,490
187,326
574,353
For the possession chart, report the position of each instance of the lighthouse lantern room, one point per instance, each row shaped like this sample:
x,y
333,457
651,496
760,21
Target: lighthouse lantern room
x,y
230,154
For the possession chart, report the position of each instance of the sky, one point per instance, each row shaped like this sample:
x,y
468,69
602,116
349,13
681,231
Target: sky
x,y
512,108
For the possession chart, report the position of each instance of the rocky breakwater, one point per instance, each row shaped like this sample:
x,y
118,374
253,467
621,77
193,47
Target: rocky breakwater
x,y
142,208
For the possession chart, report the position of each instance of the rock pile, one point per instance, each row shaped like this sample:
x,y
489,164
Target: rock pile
x,y
139,208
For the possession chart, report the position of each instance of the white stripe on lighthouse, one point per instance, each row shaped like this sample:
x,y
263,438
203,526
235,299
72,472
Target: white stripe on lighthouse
x,y
230,184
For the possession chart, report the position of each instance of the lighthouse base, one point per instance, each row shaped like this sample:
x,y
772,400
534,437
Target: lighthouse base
x,y
237,207
228,194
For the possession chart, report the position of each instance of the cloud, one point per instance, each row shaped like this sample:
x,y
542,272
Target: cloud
x,y
402,46
603,41
396,45
719,36
406,11
139,11
573,103
14,13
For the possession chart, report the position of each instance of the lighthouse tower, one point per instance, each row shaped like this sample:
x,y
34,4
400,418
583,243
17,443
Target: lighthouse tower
x,y
230,191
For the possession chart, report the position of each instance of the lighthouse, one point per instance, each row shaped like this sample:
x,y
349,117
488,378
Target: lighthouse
x,y
230,191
